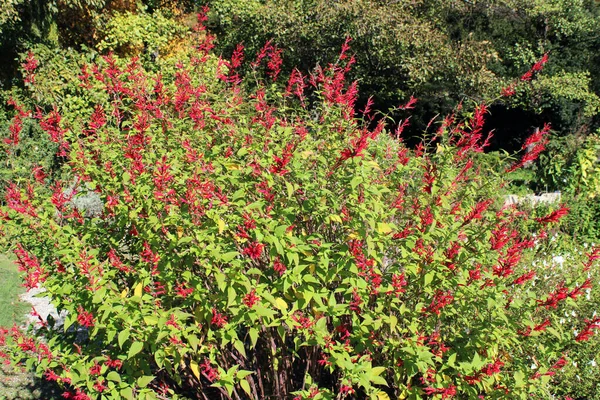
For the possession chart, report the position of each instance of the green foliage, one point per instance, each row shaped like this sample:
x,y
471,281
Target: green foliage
x,y
251,247
572,166
130,33
9,13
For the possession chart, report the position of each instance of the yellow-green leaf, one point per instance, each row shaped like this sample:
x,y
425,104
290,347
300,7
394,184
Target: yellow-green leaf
x,y
281,304
138,290
195,369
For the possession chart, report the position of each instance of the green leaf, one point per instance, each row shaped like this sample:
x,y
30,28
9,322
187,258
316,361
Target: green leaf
x,y
195,369
242,373
229,256
113,376
253,332
393,322
123,336
246,387
99,295
239,346
281,304
135,348
127,393
143,381
220,278
231,296
378,380
429,278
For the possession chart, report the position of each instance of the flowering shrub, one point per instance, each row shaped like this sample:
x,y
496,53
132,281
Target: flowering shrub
x,y
271,244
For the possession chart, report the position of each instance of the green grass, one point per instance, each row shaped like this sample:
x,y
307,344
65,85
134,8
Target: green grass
x,y
11,309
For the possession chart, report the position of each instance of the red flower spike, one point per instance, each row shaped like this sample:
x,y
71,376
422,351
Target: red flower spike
x,y
356,302
554,216
410,104
29,66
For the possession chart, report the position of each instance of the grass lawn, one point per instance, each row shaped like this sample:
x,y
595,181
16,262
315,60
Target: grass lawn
x,y
11,309
15,384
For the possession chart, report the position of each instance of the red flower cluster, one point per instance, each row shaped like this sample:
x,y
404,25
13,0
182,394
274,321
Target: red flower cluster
x,y
219,320
208,371
537,67
29,66
251,299
554,216
534,145
253,250
440,300
588,331
29,263
446,393
85,318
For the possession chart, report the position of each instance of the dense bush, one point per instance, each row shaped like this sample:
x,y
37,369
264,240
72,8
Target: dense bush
x,y
251,246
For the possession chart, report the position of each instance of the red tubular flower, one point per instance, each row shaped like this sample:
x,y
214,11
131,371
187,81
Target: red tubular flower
x,y
251,299
542,327
403,125
279,163
279,267
560,363
116,262
208,371
534,145
218,320
553,216
578,291
100,386
398,283
172,322
440,300
17,201
51,376
95,369
410,104
501,236
477,211
508,91
148,256
561,293
588,331
475,274
29,264
493,368
592,256
346,390
183,291
110,363
30,65
524,278
254,250
446,393
356,302
85,318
